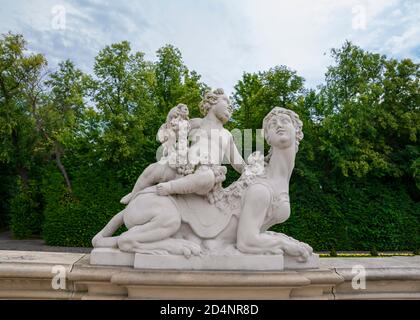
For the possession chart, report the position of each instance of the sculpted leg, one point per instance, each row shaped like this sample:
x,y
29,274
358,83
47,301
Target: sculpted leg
x,y
250,239
134,241
149,232
104,238
168,246
153,174
151,225
200,182
153,221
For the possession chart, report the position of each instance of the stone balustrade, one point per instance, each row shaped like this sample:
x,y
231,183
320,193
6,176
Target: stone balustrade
x,y
53,275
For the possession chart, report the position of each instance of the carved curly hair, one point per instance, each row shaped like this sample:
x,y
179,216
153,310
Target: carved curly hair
x,y
210,98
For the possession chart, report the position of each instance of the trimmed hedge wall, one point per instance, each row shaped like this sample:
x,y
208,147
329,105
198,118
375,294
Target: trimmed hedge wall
x,y
26,215
353,215
73,220
342,215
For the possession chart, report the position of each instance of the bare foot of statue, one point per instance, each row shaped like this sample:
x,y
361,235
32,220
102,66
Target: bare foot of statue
x,y
271,245
278,251
309,249
307,246
163,189
298,250
105,242
126,199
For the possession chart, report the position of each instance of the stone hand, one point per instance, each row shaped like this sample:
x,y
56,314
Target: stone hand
x,y
126,199
163,189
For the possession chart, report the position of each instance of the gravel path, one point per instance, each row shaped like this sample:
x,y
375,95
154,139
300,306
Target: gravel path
x,y
8,243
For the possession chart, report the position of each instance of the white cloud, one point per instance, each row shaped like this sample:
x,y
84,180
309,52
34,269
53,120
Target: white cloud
x,y
219,39
402,44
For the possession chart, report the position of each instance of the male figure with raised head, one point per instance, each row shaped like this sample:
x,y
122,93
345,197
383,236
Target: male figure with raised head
x,y
211,144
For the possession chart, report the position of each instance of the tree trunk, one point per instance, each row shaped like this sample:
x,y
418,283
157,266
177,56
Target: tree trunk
x,y
62,168
21,170
23,174
57,149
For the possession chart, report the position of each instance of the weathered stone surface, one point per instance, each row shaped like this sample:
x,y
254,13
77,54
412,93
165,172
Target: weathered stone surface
x,y
111,257
63,258
24,276
291,264
29,274
385,278
210,262
116,257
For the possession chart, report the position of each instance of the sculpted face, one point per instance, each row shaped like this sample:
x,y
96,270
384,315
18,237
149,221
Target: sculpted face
x,y
222,109
183,111
280,131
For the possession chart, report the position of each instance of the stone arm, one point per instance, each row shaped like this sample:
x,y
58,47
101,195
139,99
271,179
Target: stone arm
x,y
250,239
104,237
235,158
195,123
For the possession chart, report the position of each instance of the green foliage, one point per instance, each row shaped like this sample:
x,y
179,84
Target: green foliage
x,y
20,75
175,83
374,252
7,186
369,113
26,214
256,94
73,144
353,214
73,219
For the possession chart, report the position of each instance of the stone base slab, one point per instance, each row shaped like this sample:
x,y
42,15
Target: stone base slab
x,y
111,257
115,257
290,263
211,262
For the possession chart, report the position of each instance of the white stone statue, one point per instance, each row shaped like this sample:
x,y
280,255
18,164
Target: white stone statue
x,y
189,214
168,134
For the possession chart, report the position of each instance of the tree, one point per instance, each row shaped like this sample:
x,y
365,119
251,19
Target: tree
x,y
247,100
59,115
369,113
121,92
19,78
256,94
175,83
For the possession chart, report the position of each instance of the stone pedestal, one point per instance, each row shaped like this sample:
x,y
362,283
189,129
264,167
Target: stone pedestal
x,y
115,257
111,282
29,275
111,257
239,262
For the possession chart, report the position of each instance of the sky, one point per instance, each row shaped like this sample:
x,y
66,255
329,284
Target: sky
x,y
218,39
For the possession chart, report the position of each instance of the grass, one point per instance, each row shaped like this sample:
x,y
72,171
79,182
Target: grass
x,y
365,254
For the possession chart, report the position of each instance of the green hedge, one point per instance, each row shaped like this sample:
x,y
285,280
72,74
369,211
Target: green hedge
x,y
7,189
73,219
26,216
349,214
353,215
